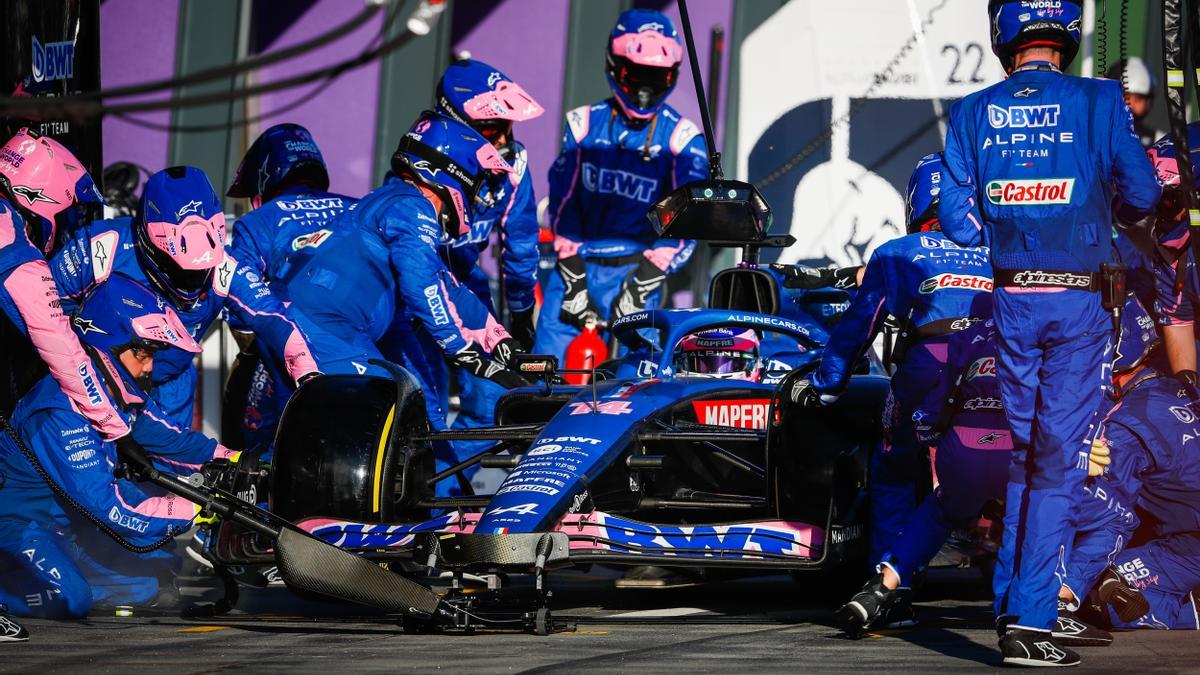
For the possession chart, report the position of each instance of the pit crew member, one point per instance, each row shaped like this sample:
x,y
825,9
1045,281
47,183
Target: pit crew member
x,y
39,181
54,562
618,157
489,102
1148,465
935,288
1174,306
961,414
284,176
176,246
1039,156
388,256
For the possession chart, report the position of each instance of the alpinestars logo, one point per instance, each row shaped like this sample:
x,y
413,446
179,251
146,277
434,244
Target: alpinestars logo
x,y
86,326
1030,192
1023,116
1029,278
32,195
947,281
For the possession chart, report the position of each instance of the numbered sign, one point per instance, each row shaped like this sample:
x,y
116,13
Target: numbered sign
x,y
838,101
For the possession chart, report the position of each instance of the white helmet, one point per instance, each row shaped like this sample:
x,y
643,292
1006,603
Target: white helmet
x,y
1138,79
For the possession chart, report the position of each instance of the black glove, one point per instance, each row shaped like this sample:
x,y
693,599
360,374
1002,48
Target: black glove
x,y
132,460
505,350
521,327
805,394
577,307
474,361
308,376
811,278
645,279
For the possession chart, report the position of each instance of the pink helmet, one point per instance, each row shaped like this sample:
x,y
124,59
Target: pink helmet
x,y
727,353
44,178
180,233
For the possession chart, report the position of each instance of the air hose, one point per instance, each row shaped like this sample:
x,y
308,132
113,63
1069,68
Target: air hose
x,y
88,515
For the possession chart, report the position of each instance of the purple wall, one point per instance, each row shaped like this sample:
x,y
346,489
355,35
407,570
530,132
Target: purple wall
x,y
137,43
340,117
536,61
704,15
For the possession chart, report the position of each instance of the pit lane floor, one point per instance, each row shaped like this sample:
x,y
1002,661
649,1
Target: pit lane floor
x,y
763,623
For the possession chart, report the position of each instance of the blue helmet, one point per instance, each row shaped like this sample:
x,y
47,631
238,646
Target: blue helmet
x,y
921,200
642,61
1018,24
451,159
283,155
1138,337
179,230
484,98
119,314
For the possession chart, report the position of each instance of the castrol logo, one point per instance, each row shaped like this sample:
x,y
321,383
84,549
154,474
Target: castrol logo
x,y
985,367
1030,192
964,281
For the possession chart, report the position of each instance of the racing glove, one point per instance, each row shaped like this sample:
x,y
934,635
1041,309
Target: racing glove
x,y
521,327
1098,458
810,278
645,279
505,350
805,393
133,462
577,307
479,364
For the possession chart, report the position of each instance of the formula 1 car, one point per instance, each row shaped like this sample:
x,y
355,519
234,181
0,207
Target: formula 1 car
x,y
639,467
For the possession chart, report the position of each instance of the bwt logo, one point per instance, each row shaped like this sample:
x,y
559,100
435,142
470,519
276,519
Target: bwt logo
x,y
617,182
89,385
436,308
53,61
1023,116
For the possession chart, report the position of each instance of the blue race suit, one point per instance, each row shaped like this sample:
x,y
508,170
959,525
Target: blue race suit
x,y
606,177
1039,155
275,241
107,246
382,270
935,288
1149,432
55,564
30,300
963,415
507,205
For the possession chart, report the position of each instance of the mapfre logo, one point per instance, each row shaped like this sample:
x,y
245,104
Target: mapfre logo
x,y
1030,192
1023,116
742,414
947,281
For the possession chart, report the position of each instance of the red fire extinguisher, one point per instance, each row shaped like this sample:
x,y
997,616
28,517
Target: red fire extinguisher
x,y
586,352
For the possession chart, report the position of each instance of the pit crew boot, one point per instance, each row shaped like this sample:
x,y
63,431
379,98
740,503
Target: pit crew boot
x,y
1071,631
865,609
1035,649
1126,601
10,630
900,613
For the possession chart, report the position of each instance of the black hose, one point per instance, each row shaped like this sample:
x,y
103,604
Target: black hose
x,y
1102,40
1123,45
62,494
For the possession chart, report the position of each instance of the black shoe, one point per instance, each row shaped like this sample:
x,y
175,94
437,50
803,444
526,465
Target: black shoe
x,y
1035,649
1071,631
10,630
900,612
865,609
1126,601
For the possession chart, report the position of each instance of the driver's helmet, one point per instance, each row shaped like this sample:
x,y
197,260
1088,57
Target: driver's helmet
x,y
726,353
1020,24
642,61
